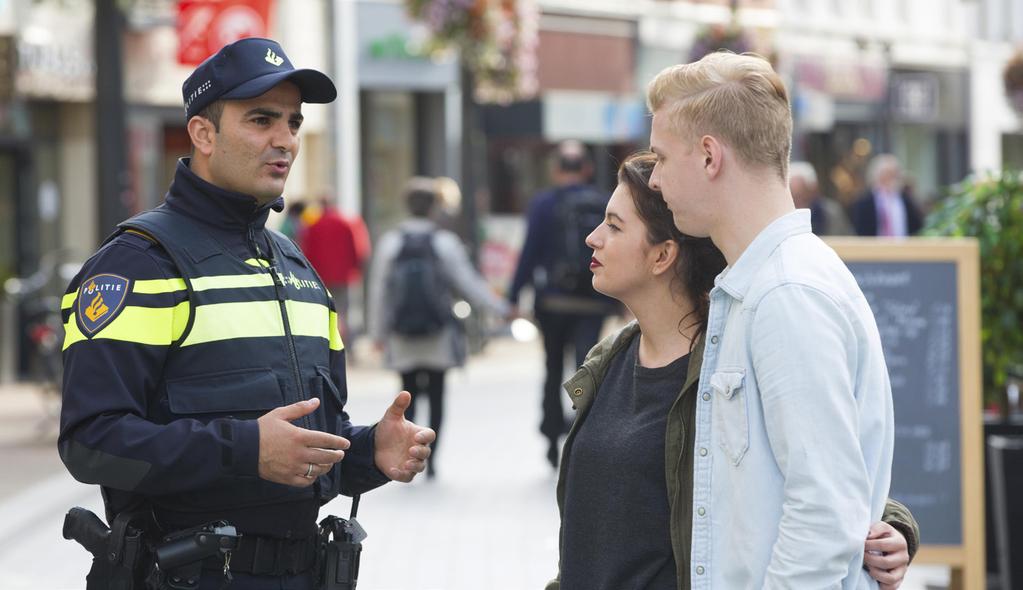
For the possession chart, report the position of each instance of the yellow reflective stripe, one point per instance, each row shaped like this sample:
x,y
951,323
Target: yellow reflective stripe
x,y
68,300
159,326
261,319
335,336
309,319
258,262
225,321
154,286
232,282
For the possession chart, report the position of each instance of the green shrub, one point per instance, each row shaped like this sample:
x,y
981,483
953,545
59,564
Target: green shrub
x,y
991,209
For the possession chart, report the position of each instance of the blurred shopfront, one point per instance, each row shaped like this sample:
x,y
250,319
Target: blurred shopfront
x,y
848,111
409,112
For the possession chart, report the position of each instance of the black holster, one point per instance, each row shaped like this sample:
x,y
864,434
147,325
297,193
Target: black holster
x,y
340,549
119,553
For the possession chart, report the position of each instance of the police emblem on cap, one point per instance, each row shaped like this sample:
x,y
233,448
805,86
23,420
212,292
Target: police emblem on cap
x,y
100,299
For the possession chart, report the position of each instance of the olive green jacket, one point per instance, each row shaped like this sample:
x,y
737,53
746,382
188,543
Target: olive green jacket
x,y
679,441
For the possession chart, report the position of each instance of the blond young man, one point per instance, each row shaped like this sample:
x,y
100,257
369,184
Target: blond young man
x,y
794,429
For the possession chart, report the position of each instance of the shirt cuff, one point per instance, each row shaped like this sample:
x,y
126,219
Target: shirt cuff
x,y
359,470
245,447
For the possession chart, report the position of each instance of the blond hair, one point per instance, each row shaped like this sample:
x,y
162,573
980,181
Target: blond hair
x,y
739,99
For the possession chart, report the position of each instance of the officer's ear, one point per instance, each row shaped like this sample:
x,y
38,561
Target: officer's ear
x,y
203,134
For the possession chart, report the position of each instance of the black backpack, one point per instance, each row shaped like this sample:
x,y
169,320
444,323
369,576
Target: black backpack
x,y
418,294
578,212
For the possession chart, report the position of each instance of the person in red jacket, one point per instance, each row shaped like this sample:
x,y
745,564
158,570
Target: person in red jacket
x,y
337,250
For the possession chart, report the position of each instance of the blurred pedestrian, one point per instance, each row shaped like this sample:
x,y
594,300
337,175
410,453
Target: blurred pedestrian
x,y
795,401
555,261
332,248
293,225
887,209
448,212
826,216
625,490
417,269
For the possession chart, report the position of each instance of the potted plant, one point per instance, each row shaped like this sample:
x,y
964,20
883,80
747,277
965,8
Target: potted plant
x,y
990,208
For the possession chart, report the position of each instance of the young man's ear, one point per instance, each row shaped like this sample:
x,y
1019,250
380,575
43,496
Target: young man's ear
x,y
713,155
202,133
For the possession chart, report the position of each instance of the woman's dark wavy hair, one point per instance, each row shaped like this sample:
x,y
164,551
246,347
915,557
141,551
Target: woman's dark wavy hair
x,y
699,260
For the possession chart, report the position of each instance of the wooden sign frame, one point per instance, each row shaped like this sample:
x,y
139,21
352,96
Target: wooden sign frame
x,y
968,559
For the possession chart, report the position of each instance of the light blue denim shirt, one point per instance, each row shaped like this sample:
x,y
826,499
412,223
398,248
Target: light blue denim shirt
x,y
794,424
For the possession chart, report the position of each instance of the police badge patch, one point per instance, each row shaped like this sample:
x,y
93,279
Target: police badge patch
x,y
100,299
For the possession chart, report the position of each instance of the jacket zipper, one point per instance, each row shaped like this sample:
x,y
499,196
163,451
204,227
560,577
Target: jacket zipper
x,y
282,303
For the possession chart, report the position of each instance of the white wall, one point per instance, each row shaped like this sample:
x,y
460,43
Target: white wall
x,y
78,177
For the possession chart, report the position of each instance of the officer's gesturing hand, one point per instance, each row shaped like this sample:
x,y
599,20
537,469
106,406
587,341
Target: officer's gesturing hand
x,y
295,456
402,447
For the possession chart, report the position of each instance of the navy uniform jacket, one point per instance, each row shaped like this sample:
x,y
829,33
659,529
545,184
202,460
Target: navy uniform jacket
x,y
164,378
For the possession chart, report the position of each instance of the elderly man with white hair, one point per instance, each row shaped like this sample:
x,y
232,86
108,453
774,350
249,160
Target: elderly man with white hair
x,y
886,209
827,218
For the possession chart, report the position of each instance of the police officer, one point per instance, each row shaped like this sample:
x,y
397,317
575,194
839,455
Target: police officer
x,y
205,376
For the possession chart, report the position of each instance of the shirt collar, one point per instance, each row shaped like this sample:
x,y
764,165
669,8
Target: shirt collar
x,y
214,205
737,278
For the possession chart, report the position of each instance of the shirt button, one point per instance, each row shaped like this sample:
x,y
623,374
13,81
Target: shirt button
x,y
577,392
703,451
701,512
706,396
713,339
699,570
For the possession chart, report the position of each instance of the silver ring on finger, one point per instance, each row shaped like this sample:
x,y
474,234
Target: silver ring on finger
x,y
309,472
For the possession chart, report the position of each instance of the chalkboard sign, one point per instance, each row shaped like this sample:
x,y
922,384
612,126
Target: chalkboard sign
x,y
914,304
925,297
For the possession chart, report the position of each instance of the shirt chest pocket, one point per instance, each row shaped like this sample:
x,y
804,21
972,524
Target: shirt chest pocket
x,y
731,412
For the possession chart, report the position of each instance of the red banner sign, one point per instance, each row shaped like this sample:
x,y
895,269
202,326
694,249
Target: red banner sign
x,y
204,26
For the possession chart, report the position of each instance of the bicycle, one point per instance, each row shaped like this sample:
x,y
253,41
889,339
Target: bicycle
x,y
44,327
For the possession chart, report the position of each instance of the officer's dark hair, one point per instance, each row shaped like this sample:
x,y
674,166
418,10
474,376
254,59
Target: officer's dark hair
x,y
699,261
420,196
212,113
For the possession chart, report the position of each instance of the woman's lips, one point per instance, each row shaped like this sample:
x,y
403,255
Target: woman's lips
x,y
594,263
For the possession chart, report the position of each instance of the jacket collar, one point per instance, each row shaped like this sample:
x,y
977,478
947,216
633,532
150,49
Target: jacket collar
x,y
582,387
736,279
213,205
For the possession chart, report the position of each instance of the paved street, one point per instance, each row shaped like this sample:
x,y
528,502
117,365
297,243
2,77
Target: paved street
x,y
488,521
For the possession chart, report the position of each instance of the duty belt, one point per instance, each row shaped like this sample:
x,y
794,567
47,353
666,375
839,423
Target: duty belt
x,y
270,556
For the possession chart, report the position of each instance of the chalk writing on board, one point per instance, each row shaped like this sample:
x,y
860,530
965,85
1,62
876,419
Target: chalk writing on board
x,y
914,305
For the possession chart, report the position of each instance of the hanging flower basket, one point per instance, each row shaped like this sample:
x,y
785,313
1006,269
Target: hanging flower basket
x,y
1013,79
496,40
717,37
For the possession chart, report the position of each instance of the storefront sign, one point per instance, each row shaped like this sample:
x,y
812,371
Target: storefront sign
x,y
915,97
860,81
204,26
395,46
55,51
597,117
390,52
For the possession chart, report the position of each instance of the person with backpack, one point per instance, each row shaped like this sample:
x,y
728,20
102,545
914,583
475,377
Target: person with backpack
x,y
556,262
416,273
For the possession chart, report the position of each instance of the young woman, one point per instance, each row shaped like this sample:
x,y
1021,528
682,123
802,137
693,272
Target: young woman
x,y
625,487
